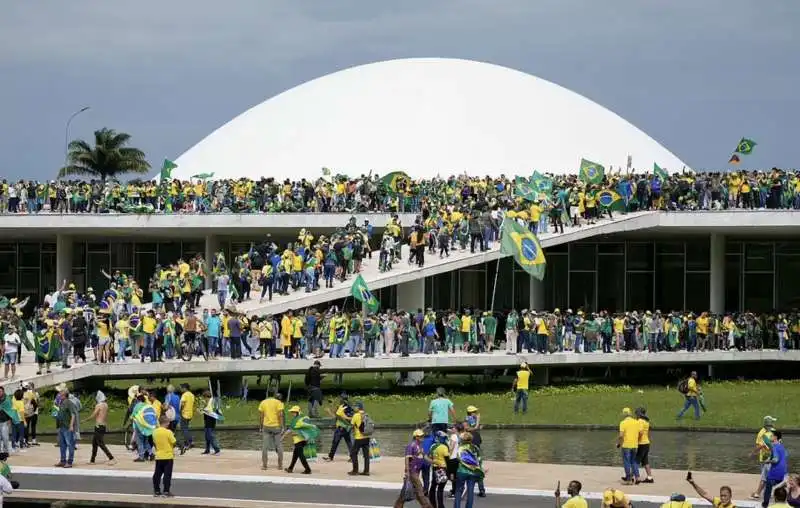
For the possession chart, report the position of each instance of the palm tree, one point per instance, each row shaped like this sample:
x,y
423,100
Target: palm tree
x,y
108,158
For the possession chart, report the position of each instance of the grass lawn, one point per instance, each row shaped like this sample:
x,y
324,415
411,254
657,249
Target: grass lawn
x,y
730,404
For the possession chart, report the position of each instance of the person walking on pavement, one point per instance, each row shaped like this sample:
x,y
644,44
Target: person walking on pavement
x,y
343,426
271,426
100,415
362,433
414,459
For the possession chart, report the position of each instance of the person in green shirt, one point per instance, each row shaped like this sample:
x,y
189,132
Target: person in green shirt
x,y
512,333
490,328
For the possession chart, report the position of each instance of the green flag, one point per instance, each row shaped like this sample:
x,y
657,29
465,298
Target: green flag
x,y
517,241
591,172
660,172
203,176
745,146
166,169
361,292
392,180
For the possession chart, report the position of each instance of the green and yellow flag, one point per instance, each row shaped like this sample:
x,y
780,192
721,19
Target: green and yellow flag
x,y
524,246
525,190
391,180
203,176
745,146
591,172
610,200
361,292
542,183
166,169
660,172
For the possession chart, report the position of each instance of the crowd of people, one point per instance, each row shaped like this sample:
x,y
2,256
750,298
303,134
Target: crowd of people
x,y
64,334
396,192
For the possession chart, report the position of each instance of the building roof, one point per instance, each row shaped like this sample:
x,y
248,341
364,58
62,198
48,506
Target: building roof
x,y
425,116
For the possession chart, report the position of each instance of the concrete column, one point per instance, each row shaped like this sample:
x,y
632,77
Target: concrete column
x,y
212,246
88,385
541,376
717,276
230,385
64,259
536,295
411,295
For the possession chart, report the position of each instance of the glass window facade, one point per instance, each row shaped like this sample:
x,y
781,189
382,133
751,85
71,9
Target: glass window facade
x,y
612,274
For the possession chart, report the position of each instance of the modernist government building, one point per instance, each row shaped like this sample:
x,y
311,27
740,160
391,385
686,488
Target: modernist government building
x,y
434,117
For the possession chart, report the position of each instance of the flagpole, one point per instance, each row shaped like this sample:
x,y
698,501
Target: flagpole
x,y
497,267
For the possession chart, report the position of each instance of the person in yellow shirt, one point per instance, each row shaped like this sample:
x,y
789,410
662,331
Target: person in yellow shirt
x,y
520,386
466,324
619,330
613,498
677,501
438,456
724,500
286,334
187,412
692,392
164,443
154,402
702,331
763,452
628,440
643,451
575,499
271,425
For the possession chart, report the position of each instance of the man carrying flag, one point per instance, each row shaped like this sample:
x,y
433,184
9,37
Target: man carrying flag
x,y
524,246
361,292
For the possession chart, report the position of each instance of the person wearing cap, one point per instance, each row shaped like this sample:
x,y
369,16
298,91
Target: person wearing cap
x,y
520,387
575,499
614,498
67,424
414,459
438,455
301,432
271,425
762,450
472,424
360,440
628,441
342,427
677,500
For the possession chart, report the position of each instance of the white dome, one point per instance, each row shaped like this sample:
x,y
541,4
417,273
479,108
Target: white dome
x,y
426,116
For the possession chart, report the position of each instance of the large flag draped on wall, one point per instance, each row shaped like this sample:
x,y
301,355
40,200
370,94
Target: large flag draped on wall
x,y
591,172
361,292
524,246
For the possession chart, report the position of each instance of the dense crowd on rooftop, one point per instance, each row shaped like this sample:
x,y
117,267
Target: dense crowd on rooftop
x,y
688,190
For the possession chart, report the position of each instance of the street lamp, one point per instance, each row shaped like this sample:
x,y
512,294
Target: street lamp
x,y
66,133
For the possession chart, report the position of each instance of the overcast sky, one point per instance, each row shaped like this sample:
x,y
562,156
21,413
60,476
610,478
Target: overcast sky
x,y
696,76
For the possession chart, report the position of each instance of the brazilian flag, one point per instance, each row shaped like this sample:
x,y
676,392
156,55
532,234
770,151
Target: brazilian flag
x,y
392,180
745,146
660,172
591,172
144,418
45,346
361,292
525,190
166,169
542,183
610,200
524,246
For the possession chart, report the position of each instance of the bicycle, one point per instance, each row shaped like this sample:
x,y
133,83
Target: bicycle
x,y
189,347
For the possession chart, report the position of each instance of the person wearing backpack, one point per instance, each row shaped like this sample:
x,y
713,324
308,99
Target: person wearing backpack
x,y
363,428
690,391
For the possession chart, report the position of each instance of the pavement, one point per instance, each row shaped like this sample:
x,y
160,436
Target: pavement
x,y
237,475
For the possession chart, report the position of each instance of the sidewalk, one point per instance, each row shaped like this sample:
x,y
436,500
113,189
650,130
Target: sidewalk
x,y
245,466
